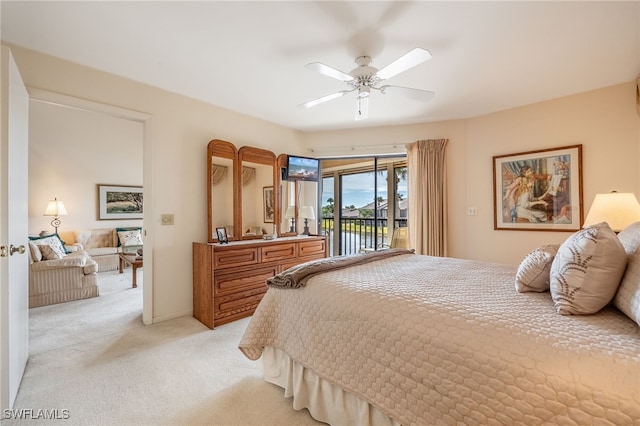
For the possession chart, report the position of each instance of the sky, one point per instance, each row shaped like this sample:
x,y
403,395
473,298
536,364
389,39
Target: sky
x,y
358,189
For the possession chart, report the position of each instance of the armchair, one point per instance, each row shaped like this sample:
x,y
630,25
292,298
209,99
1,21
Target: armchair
x,y
61,280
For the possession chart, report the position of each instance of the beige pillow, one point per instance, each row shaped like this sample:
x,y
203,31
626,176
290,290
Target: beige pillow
x,y
48,252
533,272
586,271
627,299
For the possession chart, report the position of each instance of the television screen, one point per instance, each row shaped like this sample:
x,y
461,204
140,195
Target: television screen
x,y
302,168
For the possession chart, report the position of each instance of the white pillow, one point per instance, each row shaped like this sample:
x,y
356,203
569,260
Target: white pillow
x,y
54,242
36,254
533,272
586,271
627,299
130,238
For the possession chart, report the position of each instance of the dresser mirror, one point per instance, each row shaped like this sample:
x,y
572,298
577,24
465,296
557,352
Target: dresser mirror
x,y
222,189
259,195
288,195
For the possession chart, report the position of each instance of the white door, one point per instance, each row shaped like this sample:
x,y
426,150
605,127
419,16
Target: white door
x,y
14,274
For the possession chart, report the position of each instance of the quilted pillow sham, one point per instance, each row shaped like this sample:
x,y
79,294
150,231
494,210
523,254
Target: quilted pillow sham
x,y
586,271
533,272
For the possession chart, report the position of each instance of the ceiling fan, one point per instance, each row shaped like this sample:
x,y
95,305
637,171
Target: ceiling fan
x,y
366,78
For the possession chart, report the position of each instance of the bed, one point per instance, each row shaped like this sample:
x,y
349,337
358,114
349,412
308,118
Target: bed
x,y
408,339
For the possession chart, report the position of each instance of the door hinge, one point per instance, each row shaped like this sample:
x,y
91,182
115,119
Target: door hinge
x,y
4,251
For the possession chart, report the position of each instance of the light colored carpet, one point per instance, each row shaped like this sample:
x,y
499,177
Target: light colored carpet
x,y
97,360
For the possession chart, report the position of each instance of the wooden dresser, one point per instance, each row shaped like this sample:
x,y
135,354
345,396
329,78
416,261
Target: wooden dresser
x,y
229,279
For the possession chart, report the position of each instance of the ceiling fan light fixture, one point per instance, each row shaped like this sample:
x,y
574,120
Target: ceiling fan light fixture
x,y
364,92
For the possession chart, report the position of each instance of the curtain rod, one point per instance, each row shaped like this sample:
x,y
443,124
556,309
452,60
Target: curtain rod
x,y
355,147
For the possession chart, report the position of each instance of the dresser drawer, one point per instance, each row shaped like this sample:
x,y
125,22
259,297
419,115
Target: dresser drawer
x,y
312,248
243,303
236,257
277,252
233,282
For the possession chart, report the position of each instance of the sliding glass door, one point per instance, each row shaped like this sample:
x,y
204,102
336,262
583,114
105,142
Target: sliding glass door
x,y
360,205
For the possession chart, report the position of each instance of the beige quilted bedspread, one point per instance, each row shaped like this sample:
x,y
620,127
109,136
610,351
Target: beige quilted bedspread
x,y
438,341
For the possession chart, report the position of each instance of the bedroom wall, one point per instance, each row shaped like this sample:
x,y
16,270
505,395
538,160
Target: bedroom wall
x,y
604,121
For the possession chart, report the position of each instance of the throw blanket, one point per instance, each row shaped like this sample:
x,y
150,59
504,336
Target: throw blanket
x,y
297,276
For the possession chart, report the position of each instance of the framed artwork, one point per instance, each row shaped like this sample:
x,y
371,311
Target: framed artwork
x,y
538,190
269,202
221,233
119,202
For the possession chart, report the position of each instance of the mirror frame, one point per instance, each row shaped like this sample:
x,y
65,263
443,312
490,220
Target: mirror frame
x,y
258,156
282,164
222,149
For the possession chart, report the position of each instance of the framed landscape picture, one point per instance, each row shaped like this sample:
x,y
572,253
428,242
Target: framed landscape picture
x,y
539,190
119,202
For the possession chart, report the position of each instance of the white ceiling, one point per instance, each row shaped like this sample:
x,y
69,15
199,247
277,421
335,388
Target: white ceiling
x,y
250,56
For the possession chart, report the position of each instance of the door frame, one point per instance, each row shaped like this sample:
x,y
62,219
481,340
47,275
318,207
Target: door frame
x,y
147,177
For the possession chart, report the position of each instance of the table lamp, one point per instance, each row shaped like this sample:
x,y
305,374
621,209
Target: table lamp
x,y
291,214
618,209
55,208
307,213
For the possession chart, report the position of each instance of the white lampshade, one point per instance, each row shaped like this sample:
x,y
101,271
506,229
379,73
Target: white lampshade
x,y
618,209
291,212
307,212
55,208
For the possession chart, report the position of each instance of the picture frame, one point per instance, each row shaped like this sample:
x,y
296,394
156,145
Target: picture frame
x,y
269,202
221,233
538,190
120,202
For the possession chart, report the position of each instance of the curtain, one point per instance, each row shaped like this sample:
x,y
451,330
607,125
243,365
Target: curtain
x,y
248,175
218,174
427,199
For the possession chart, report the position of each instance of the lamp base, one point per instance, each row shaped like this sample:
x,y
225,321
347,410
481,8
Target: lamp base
x,y
292,228
306,227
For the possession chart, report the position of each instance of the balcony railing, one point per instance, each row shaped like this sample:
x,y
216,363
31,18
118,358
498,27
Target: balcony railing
x,y
357,234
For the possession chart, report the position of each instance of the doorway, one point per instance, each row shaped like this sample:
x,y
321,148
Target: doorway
x,y
91,156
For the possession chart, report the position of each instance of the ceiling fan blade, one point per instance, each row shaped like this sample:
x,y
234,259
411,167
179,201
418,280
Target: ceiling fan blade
x,y
322,99
362,107
404,62
329,71
416,94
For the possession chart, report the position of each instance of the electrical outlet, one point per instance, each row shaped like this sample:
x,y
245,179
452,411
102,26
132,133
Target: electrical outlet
x,y
166,219
472,211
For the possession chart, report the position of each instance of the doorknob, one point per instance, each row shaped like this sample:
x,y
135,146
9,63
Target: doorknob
x,y
13,249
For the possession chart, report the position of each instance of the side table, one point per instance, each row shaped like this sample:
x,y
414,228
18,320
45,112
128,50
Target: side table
x,y
135,262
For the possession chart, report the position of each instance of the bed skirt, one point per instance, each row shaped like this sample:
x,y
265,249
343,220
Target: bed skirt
x,y
325,401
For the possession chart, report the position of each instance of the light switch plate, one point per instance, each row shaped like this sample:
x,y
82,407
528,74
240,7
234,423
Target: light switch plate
x,y
166,219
